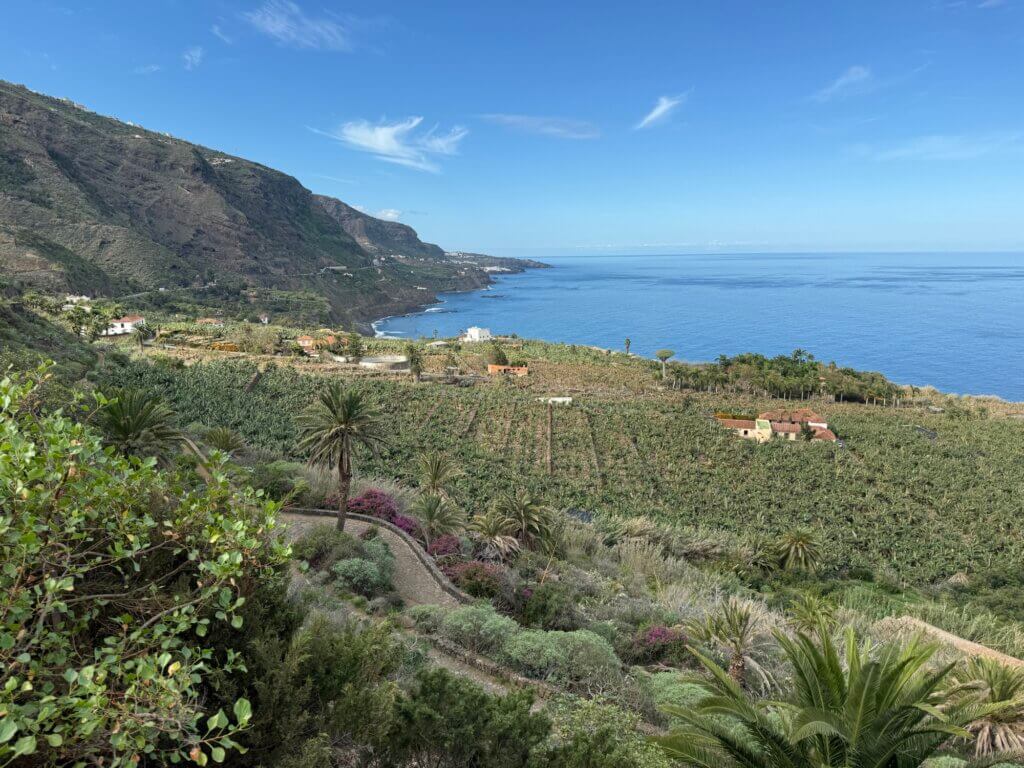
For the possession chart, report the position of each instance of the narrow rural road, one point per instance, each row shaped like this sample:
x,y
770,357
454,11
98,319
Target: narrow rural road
x,y
413,582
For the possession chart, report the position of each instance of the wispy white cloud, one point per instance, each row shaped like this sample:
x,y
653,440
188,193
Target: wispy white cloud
x,y
945,147
560,127
387,214
854,79
221,34
193,57
399,142
147,69
991,3
287,23
661,111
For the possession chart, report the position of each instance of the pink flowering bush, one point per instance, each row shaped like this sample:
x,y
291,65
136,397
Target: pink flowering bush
x,y
408,524
374,503
445,546
658,643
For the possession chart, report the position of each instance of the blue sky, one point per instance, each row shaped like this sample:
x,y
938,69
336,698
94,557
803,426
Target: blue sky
x,y
583,127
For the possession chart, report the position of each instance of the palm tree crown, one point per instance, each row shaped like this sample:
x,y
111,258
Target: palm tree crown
x,y
436,471
437,516
530,521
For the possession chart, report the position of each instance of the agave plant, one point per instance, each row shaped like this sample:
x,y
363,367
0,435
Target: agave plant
x,y
494,534
800,550
437,516
864,706
1000,731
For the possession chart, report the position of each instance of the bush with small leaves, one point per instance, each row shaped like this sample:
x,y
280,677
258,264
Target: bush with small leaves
x,y
478,628
478,579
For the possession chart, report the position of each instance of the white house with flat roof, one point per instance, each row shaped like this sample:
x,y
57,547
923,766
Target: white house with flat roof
x,y
473,333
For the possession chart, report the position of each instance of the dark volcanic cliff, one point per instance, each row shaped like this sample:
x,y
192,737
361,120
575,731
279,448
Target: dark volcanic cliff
x,y
90,204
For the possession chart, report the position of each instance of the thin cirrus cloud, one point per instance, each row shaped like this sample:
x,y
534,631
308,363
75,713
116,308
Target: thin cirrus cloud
x,y
945,147
559,127
386,214
217,32
287,23
148,69
661,111
854,79
192,58
400,142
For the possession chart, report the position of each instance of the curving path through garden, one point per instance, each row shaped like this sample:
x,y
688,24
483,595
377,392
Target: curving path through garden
x,y
415,580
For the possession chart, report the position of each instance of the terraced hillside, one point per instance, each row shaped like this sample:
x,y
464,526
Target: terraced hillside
x,y
923,494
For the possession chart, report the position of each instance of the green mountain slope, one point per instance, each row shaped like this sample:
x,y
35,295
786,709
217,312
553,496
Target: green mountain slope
x,y
90,204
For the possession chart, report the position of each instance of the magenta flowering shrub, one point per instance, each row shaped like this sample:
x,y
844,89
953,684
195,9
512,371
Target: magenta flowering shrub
x,y
659,643
445,546
476,578
408,524
374,503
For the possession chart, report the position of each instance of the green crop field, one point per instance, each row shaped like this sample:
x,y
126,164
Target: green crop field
x,y
893,498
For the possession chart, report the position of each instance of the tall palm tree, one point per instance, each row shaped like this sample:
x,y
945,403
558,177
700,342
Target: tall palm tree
x,y
867,706
338,421
415,357
663,355
530,521
142,333
437,516
436,471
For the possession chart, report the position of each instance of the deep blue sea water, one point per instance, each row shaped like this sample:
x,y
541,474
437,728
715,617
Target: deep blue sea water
x,y
954,321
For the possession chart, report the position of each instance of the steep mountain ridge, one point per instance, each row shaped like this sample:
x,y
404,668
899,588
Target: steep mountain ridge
x,y
91,204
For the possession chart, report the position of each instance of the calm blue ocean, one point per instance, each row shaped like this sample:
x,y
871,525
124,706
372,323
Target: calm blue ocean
x,y
955,321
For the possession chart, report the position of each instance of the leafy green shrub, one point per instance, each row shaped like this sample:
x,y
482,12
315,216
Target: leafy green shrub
x,y
81,681
323,545
280,480
427,618
449,722
551,605
360,576
598,734
478,627
579,660
486,580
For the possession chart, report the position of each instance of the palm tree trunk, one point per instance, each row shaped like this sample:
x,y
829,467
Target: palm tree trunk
x,y
737,668
344,485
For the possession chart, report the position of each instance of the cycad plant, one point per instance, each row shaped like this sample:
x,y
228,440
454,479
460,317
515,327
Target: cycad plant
x,y
139,423
800,550
1000,732
437,516
224,439
340,420
882,707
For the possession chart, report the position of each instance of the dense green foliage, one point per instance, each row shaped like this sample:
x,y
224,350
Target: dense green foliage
x,y
856,707
112,574
871,500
